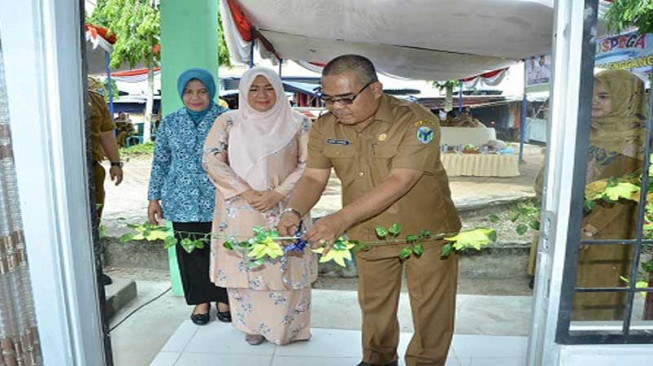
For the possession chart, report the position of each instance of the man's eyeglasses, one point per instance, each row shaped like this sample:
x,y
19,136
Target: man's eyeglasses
x,y
344,101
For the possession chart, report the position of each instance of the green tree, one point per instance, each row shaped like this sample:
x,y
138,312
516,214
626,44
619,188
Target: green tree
x,y
626,13
136,25
223,51
448,85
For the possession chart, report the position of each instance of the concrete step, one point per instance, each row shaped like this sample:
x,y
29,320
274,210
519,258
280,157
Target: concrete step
x,y
119,294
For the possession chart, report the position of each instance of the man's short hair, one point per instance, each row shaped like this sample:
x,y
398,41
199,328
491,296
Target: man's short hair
x,y
359,65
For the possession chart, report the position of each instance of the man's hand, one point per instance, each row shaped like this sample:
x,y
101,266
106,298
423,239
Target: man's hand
x,y
288,224
115,172
326,231
266,200
154,212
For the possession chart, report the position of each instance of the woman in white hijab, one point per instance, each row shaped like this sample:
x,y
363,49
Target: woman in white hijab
x,y
255,155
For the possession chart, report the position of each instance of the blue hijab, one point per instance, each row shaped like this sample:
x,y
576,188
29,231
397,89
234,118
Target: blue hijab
x,y
207,79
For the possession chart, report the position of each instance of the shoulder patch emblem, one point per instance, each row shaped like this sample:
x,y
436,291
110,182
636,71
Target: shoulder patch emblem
x,y
425,134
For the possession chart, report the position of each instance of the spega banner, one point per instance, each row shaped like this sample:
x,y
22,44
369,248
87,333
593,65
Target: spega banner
x,y
629,51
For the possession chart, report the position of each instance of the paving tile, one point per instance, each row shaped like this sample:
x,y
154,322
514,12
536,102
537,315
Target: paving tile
x,y
326,343
498,361
182,336
207,359
165,359
222,338
314,361
475,346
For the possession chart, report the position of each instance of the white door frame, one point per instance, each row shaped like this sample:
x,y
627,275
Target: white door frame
x,y
569,17
41,41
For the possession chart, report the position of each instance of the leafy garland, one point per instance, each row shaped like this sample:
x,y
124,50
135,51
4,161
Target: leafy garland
x,y
606,191
267,245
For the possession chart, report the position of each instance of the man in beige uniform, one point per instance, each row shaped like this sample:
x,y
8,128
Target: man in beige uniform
x,y
386,153
103,143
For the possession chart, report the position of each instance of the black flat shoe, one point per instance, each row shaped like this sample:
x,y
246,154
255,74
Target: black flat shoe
x,y
224,316
363,363
200,319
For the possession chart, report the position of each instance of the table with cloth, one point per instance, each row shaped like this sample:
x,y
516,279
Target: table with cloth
x,y
480,165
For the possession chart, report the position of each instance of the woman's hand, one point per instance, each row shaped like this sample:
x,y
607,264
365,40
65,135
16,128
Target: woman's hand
x,y
266,200
250,196
154,212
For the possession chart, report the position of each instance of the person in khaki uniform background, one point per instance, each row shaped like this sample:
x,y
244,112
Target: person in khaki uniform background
x,y
386,153
103,143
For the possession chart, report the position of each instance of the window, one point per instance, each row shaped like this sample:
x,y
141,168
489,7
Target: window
x,y
607,289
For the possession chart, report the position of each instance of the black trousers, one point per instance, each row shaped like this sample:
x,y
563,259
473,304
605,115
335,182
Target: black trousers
x,y
194,266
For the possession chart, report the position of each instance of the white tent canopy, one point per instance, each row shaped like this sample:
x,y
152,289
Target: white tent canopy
x,y
418,39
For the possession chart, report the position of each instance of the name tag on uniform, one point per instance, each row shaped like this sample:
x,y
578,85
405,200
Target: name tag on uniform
x,y
338,142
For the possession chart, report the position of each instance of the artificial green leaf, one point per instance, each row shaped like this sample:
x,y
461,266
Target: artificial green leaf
x,y
102,231
425,234
198,244
359,247
535,225
169,242
475,239
514,216
418,249
187,245
588,206
494,218
256,263
156,235
336,255
395,229
405,252
146,233
641,284
381,232
340,244
126,238
492,235
648,266
521,229
447,249
620,190
411,238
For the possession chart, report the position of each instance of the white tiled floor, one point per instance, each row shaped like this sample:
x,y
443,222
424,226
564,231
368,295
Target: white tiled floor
x,y
220,344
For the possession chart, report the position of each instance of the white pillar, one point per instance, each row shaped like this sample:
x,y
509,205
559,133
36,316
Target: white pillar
x,y
41,41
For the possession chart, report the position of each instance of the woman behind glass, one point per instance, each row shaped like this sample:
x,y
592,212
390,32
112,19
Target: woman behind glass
x,y
616,149
179,183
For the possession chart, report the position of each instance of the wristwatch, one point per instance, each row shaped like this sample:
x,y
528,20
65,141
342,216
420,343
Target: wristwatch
x,y
117,163
290,209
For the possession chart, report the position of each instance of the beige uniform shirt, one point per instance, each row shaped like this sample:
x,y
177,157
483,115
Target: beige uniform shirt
x,y
99,121
402,135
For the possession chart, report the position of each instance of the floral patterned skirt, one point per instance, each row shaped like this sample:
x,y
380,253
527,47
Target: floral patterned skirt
x,y
282,317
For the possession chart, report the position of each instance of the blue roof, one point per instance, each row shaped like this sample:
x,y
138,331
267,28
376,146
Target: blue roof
x,y
305,88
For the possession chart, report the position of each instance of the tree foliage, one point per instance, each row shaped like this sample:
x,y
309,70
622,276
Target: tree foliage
x,y
623,14
223,51
137,27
